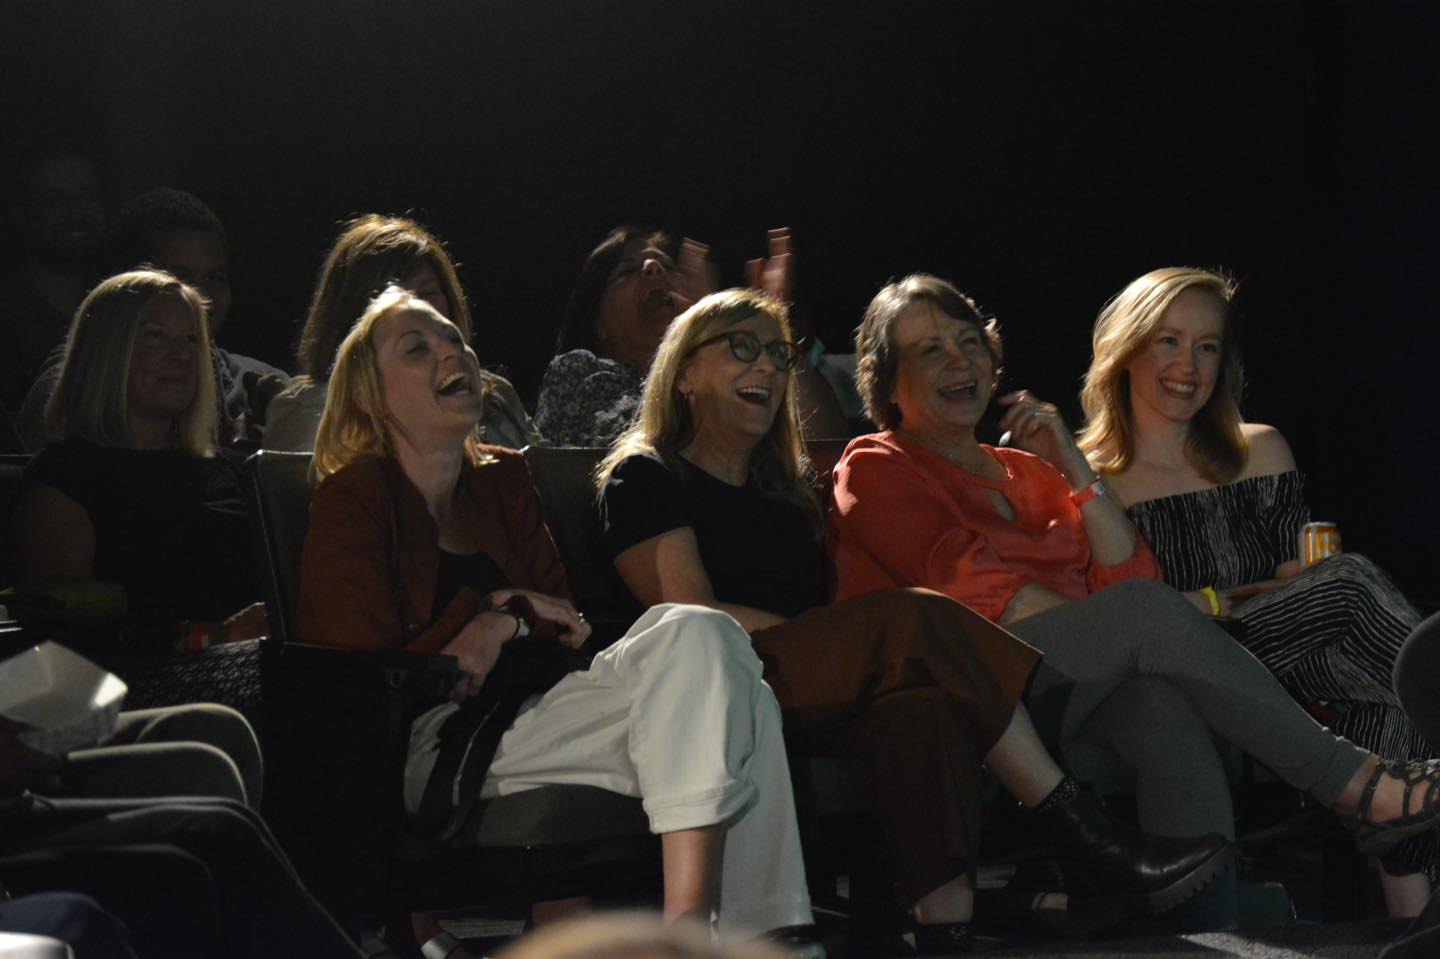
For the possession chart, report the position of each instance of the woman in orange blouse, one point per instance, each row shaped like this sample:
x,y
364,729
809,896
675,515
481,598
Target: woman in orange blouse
x,y
976,553
1029,537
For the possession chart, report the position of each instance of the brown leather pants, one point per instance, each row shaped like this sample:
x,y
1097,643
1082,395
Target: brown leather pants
x,y
917,687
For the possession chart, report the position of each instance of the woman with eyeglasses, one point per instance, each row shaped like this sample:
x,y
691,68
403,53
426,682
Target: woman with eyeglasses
x,y
629,290
706,500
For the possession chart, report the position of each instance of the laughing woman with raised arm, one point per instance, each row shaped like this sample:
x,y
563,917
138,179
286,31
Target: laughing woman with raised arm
x,y
1030,537
705,500
424,541
629,289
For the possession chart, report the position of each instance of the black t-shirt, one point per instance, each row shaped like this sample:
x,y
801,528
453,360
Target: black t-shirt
x,y
758,549
455,571
171,529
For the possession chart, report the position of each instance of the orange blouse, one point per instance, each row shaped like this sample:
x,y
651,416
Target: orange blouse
x,y
904,516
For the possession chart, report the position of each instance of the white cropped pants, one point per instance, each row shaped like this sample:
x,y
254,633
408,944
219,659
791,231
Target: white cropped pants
x,y
674,713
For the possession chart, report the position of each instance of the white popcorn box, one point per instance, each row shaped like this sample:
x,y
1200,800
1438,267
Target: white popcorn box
x,y
65,701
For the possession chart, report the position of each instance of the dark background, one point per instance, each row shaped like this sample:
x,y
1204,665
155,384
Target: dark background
x,y
1041,154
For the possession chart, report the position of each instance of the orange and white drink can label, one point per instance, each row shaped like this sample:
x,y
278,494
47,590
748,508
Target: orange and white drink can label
x,y
1318,541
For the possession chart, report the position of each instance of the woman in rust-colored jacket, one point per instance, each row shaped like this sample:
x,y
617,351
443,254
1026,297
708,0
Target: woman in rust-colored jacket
x,y
424,541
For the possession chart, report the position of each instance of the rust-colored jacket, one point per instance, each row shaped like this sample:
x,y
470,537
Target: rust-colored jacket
x,y
367,574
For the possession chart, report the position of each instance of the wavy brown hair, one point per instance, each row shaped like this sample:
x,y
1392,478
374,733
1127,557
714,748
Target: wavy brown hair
x,y
371,253
877,361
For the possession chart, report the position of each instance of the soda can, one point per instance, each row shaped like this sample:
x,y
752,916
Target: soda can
x,y
1318,541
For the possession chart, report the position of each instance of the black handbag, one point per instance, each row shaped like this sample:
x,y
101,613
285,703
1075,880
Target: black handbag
x,y
228,674
471,735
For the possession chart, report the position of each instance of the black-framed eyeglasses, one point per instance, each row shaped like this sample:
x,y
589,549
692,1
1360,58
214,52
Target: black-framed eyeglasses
x,y
746,346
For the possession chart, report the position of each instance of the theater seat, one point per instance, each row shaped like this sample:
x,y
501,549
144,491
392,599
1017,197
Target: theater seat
x,y
12,467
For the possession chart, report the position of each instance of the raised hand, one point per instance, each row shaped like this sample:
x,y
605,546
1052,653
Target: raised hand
x,y
696,275
259,391
1037,427
773,273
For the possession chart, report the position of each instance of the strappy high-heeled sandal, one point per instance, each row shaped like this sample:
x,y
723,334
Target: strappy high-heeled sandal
x,y
1373,838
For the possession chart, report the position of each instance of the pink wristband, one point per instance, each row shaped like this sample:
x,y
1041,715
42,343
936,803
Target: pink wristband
x,y
1082,496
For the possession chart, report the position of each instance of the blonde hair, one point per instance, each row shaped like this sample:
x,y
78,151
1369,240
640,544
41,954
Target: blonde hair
x,y
91,398
1215,444
877,361
662,425
353,422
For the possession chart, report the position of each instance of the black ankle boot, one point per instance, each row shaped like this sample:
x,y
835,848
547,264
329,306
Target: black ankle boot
x,y
1149,873
943,939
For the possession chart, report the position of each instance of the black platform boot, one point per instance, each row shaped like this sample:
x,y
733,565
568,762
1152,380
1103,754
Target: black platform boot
x,y
1147,873
945,939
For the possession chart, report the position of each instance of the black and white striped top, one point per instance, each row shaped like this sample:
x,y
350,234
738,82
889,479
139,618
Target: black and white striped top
x,y
1227,536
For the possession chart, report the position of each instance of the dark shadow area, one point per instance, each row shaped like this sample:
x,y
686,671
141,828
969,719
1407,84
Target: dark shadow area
x,y
1039,153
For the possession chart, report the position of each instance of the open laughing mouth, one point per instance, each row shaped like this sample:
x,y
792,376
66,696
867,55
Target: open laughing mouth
x,y
964,391
454,385
1178,388
757,395
658,298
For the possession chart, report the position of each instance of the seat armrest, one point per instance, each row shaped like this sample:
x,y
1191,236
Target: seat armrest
x,y
387,658
420,677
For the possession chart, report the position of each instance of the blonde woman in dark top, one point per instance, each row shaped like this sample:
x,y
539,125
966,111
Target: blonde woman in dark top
x,y
1221,503
133,491
134,494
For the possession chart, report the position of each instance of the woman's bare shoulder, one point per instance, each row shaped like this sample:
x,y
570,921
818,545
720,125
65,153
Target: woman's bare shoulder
x,y
1268,452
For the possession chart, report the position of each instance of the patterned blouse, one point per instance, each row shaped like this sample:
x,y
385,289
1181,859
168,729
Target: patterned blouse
x,y
1227,536
586,400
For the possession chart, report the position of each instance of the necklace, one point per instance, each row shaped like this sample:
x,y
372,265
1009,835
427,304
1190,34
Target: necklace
x,y
976,464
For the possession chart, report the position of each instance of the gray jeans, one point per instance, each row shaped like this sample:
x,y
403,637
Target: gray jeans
x,y
1144,628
